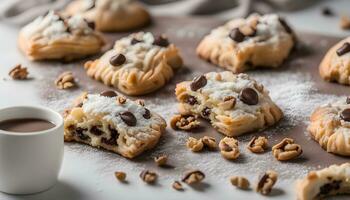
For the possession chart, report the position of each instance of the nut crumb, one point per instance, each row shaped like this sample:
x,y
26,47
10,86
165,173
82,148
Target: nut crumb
x,y
266,182
286,150
121,99
177,185
184,122
258,144
194,144
229,148
141,102
148,176
209,142
65,80
161,160
193,177
19,72
228,103
240,182
345,22
121,176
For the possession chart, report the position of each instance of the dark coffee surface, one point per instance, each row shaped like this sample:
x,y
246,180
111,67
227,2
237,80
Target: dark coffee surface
x,y
25,125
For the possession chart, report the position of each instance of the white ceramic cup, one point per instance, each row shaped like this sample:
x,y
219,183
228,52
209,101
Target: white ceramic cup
x,y
30,162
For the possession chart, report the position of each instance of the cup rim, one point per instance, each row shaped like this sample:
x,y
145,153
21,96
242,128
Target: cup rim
x,y
42,108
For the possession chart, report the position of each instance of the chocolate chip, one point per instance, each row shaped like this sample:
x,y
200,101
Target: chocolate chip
x,y
117,60
96,131
343,49
327,11
79,132
91,24
198,83
128,118
330,187
147,114
135,41
345,115
109,93
206,112
347,100
191,100
249,96
236,35
161,41
285,25
113,139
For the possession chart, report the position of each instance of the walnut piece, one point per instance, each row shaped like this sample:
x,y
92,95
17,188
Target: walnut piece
x,y
345,22
266,182
193,177
65,80
121,100
258,144
177,185
161,160
228,103
148,176
229,148
19,72
209,142
120,176
286,150
240,182
184,122
194,144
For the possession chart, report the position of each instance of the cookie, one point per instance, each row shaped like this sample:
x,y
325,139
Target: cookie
x,y
330,127
111,15
113,122
335,65
326,182
138,64
233,103
242,44
55,37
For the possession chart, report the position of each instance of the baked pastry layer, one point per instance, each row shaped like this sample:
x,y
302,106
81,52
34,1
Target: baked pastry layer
x,y
111,15
234,104
242,44
326,182
55,37
114,123
330,128
335,65
138,64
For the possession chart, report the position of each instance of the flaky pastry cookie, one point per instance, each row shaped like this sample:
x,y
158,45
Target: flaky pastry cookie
x,y
234,104
329,181
55,37
330,127
138,64
113,122
335,66
111,15
242,44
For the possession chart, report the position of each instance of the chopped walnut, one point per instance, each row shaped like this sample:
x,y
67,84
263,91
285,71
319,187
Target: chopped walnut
x,y
19,72
345,22
229,148
65,80
286,150
240,182
120,176
141,102
194,144
218,77
266,182
247,30
228,103
209,142
161,160
184,122
257,144
193,177
148,176
177,185
121,99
